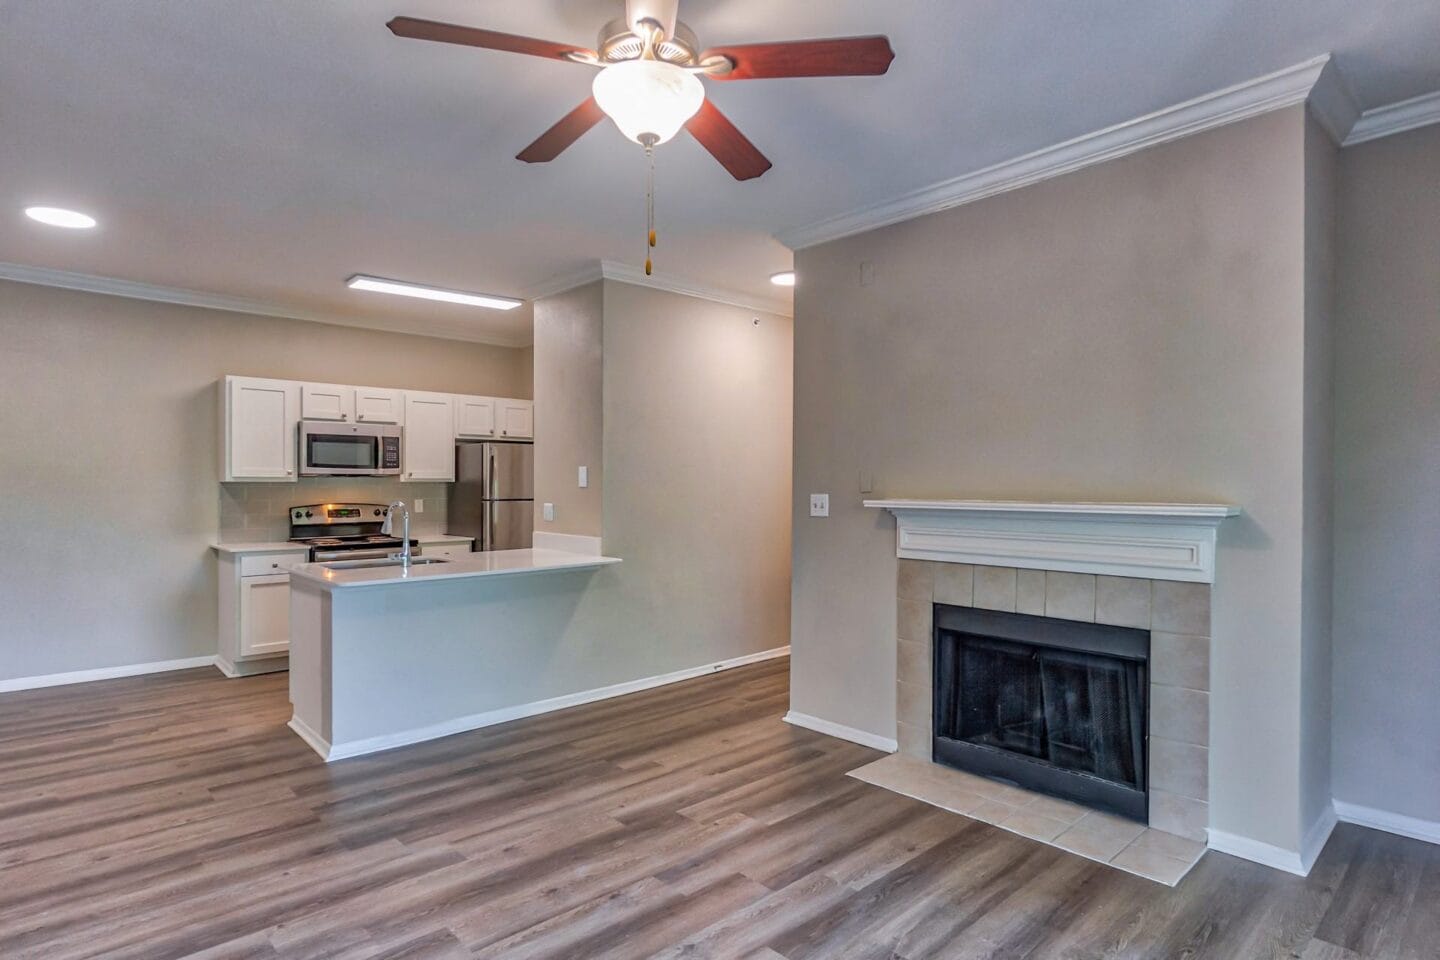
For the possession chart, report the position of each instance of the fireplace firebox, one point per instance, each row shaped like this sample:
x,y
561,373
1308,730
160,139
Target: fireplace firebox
x,y
1056,706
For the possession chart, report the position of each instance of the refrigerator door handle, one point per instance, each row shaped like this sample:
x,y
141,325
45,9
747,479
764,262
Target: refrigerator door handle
x,y
491,480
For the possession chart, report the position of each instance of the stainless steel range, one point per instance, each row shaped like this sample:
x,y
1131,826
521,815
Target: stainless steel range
x,y
344,531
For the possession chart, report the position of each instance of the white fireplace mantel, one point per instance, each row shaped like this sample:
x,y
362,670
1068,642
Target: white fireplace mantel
x,y
1158,541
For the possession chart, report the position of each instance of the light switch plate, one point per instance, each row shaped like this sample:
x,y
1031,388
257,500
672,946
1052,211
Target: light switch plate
x,y
549,511
819,504
584,477
419,505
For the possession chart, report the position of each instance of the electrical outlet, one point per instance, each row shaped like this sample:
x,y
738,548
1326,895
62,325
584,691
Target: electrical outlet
x,y
819,504
419,505
549,511
584,477
867,273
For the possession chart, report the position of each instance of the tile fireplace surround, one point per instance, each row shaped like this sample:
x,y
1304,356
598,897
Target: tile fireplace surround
x,y
1147,566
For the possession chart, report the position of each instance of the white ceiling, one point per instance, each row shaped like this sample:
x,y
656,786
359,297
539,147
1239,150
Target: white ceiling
x,y
268,149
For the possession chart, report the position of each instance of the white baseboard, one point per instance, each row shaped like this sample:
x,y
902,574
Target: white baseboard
x,y
1396,823
104,673
832,729
1316,837
317,743
1297,862
569,542
251,668
357,748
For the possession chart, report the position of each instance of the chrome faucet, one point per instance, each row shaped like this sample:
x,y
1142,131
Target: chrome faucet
x,y
388,527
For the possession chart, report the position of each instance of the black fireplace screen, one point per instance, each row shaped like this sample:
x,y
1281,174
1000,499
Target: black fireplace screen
x,y
1054,705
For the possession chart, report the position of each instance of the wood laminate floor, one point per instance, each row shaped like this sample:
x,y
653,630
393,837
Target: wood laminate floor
x,y
175,816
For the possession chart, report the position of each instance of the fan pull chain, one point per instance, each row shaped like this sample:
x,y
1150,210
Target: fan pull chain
x,y
649,205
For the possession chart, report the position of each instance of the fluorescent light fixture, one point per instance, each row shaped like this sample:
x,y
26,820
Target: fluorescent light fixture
x,y
784,279
60,217
379,285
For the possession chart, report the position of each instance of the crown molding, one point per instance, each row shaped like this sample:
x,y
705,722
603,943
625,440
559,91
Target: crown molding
x,y
566,282
624,273
133,290
1395,118
1274,91
1333,103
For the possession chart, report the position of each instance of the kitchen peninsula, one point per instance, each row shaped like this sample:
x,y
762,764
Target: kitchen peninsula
x,y
383,656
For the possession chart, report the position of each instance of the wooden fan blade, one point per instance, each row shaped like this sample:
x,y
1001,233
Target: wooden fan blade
x,y
488,39
726,143
838,57
571,127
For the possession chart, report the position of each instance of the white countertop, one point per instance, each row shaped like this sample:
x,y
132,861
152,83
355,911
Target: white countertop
x,y
440,538
273,546
495,563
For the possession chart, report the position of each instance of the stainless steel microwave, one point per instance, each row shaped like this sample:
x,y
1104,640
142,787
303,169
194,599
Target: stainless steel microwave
x,y
330,449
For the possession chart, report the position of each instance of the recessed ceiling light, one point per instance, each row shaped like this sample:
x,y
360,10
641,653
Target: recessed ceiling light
x,y
784,279
59,217
378,285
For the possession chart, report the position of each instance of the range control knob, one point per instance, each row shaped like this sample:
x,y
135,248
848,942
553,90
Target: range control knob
x,y
379,512
308,514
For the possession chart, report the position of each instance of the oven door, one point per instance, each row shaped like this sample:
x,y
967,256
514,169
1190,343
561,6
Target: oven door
x,y
348,449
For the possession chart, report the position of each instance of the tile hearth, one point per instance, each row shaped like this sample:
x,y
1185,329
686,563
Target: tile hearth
x,y
1123,844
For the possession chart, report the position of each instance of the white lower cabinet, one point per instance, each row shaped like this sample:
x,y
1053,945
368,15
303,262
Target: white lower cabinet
x,y
264,615
255,610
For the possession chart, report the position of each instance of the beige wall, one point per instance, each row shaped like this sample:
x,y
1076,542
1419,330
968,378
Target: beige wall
x,y
108,471
697,471
1321,159
696,453
1387,550
568,409
1132,331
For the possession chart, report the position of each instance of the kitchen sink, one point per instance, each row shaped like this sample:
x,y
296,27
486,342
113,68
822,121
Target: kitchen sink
x,y
380,562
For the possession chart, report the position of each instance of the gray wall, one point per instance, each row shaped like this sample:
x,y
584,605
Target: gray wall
x,y
108,471
1135,330
696,452
1387,519
569,409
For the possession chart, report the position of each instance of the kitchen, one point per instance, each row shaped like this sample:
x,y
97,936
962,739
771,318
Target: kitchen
x,y
481,450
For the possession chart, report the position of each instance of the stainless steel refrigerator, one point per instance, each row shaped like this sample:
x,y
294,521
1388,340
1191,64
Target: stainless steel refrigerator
x,y
493,496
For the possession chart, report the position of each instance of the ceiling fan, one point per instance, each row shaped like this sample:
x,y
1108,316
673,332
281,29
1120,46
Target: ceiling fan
x,y
650,64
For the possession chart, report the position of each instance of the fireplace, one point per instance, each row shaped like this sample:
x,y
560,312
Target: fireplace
x,y
1057,706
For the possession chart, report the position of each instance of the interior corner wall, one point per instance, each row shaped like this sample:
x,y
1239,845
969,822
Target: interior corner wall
x,y
569,419
694,415
1131,331
1321,162
697,452
1387,505
109,458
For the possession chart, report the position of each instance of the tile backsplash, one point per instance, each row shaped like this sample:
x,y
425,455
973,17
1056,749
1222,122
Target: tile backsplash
x,y
259,511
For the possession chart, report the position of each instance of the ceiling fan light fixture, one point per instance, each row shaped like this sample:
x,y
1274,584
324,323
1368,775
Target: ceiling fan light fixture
x,y
648,98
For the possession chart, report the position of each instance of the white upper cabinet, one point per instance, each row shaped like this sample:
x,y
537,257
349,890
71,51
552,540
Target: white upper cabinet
x,y
326,401
375,405
516,419
428,446
475,417
259,426
258,418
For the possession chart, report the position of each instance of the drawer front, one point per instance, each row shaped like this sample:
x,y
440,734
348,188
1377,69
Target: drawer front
x,y
445,549
261,564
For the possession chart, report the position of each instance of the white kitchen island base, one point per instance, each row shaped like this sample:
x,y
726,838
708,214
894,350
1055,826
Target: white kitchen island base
x,y
380,658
